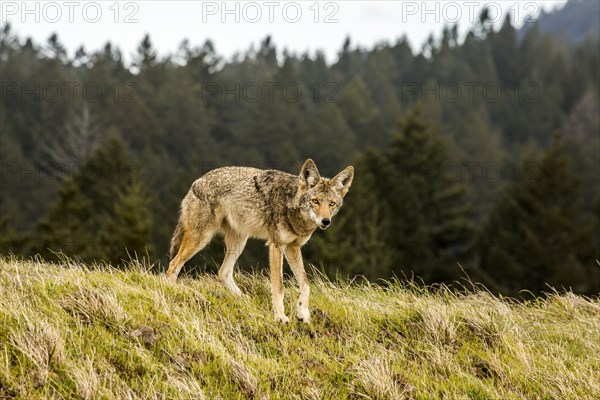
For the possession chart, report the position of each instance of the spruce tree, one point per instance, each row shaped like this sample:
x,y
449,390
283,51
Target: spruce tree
x,y
106,173
146,56
65,229
127,232
505,50
89,220
358,242
403,216
429,210
11,241
535,235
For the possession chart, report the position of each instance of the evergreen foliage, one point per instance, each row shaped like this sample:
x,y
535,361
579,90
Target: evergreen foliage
x,y
536,236
405,217
421,188
128,233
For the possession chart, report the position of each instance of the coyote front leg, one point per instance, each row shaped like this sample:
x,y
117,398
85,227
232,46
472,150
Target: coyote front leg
x,y
294,258
276,263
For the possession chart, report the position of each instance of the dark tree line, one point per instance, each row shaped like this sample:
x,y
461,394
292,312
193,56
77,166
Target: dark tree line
x,y
480,156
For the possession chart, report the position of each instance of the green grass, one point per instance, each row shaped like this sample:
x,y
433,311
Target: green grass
x,y
67,331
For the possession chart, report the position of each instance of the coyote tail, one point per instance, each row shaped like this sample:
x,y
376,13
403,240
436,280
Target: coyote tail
x,y
176,240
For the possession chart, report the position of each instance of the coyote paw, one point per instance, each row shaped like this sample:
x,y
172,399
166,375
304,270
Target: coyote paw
x,y
282,318
234,289
303,315
171,278
231,286
302,311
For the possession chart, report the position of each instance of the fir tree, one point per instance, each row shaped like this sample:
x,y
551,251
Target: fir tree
x,y
505,50
65,229
428,210
535,235
358,242
106,173
92,207
403,216
128,231
11,241
146,53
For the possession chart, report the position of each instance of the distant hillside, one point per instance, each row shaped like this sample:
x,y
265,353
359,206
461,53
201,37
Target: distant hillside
x,y
69,332
577,21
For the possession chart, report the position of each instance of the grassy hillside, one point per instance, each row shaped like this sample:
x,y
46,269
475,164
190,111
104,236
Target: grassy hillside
x,y
72,332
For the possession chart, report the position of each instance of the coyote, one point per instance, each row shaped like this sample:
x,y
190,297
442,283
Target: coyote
x,y
241,202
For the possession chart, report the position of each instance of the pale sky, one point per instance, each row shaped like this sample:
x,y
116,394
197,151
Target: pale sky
x,y
234,25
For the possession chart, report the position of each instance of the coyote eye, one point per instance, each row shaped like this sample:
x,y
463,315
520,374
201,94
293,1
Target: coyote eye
x,y
331,203
315,201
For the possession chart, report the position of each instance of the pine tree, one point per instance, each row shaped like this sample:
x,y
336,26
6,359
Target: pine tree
x,y
582,143
56,50
330,132
65,229
505,49
107,172
595,244
146,53
349,62
429,211
477,145
358,242
87,208
369,123
403,216
535,234
11,241
128,231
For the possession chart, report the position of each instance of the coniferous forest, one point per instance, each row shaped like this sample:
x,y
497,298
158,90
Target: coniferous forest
x,y
474,158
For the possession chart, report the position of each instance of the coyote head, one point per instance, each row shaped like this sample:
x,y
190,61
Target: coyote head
x,y
321,198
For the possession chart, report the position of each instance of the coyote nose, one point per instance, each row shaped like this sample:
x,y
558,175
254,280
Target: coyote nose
x,y
326,221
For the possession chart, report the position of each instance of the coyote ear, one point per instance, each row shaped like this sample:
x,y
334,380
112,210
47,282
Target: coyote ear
x,y
343,180
309,173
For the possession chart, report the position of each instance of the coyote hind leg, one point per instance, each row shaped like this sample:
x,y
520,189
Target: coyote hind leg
x,y
190,245
234,245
